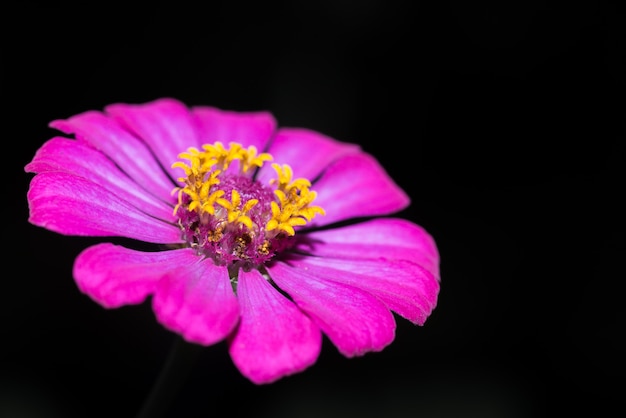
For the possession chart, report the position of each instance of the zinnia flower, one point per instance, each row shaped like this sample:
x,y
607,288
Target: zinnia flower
x,y
264,237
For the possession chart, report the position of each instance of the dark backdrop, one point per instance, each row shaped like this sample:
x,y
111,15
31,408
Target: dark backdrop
x,y
505,124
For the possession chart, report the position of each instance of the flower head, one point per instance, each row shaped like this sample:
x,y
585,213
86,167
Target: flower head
x,y
265,237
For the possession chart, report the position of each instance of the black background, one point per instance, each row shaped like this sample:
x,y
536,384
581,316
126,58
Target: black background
x,y
505,124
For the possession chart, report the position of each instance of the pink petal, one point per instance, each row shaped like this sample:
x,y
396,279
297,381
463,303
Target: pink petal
x,y
356,185
114,276
196,300
384,238
72,205
78,158
165,125
246,128
306,152
406,288
274,338
355,321
129,153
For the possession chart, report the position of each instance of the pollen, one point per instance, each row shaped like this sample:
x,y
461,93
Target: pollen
x,y
226,214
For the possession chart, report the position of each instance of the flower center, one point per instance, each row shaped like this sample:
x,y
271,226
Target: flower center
x,y
225,214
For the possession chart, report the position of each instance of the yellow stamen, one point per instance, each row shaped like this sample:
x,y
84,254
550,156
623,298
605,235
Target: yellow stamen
x,y
294,208
200,184
284,176
222,157
237,214
249,158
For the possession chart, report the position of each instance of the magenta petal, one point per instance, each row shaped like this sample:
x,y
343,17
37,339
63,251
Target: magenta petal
x,y
196,300
356,185
72,205
306,152
406,288
123,148
165,125
274,338
355,321
384,238
247,128
114,276
78,158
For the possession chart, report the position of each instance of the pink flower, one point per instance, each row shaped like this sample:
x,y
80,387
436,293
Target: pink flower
x,y
264,237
